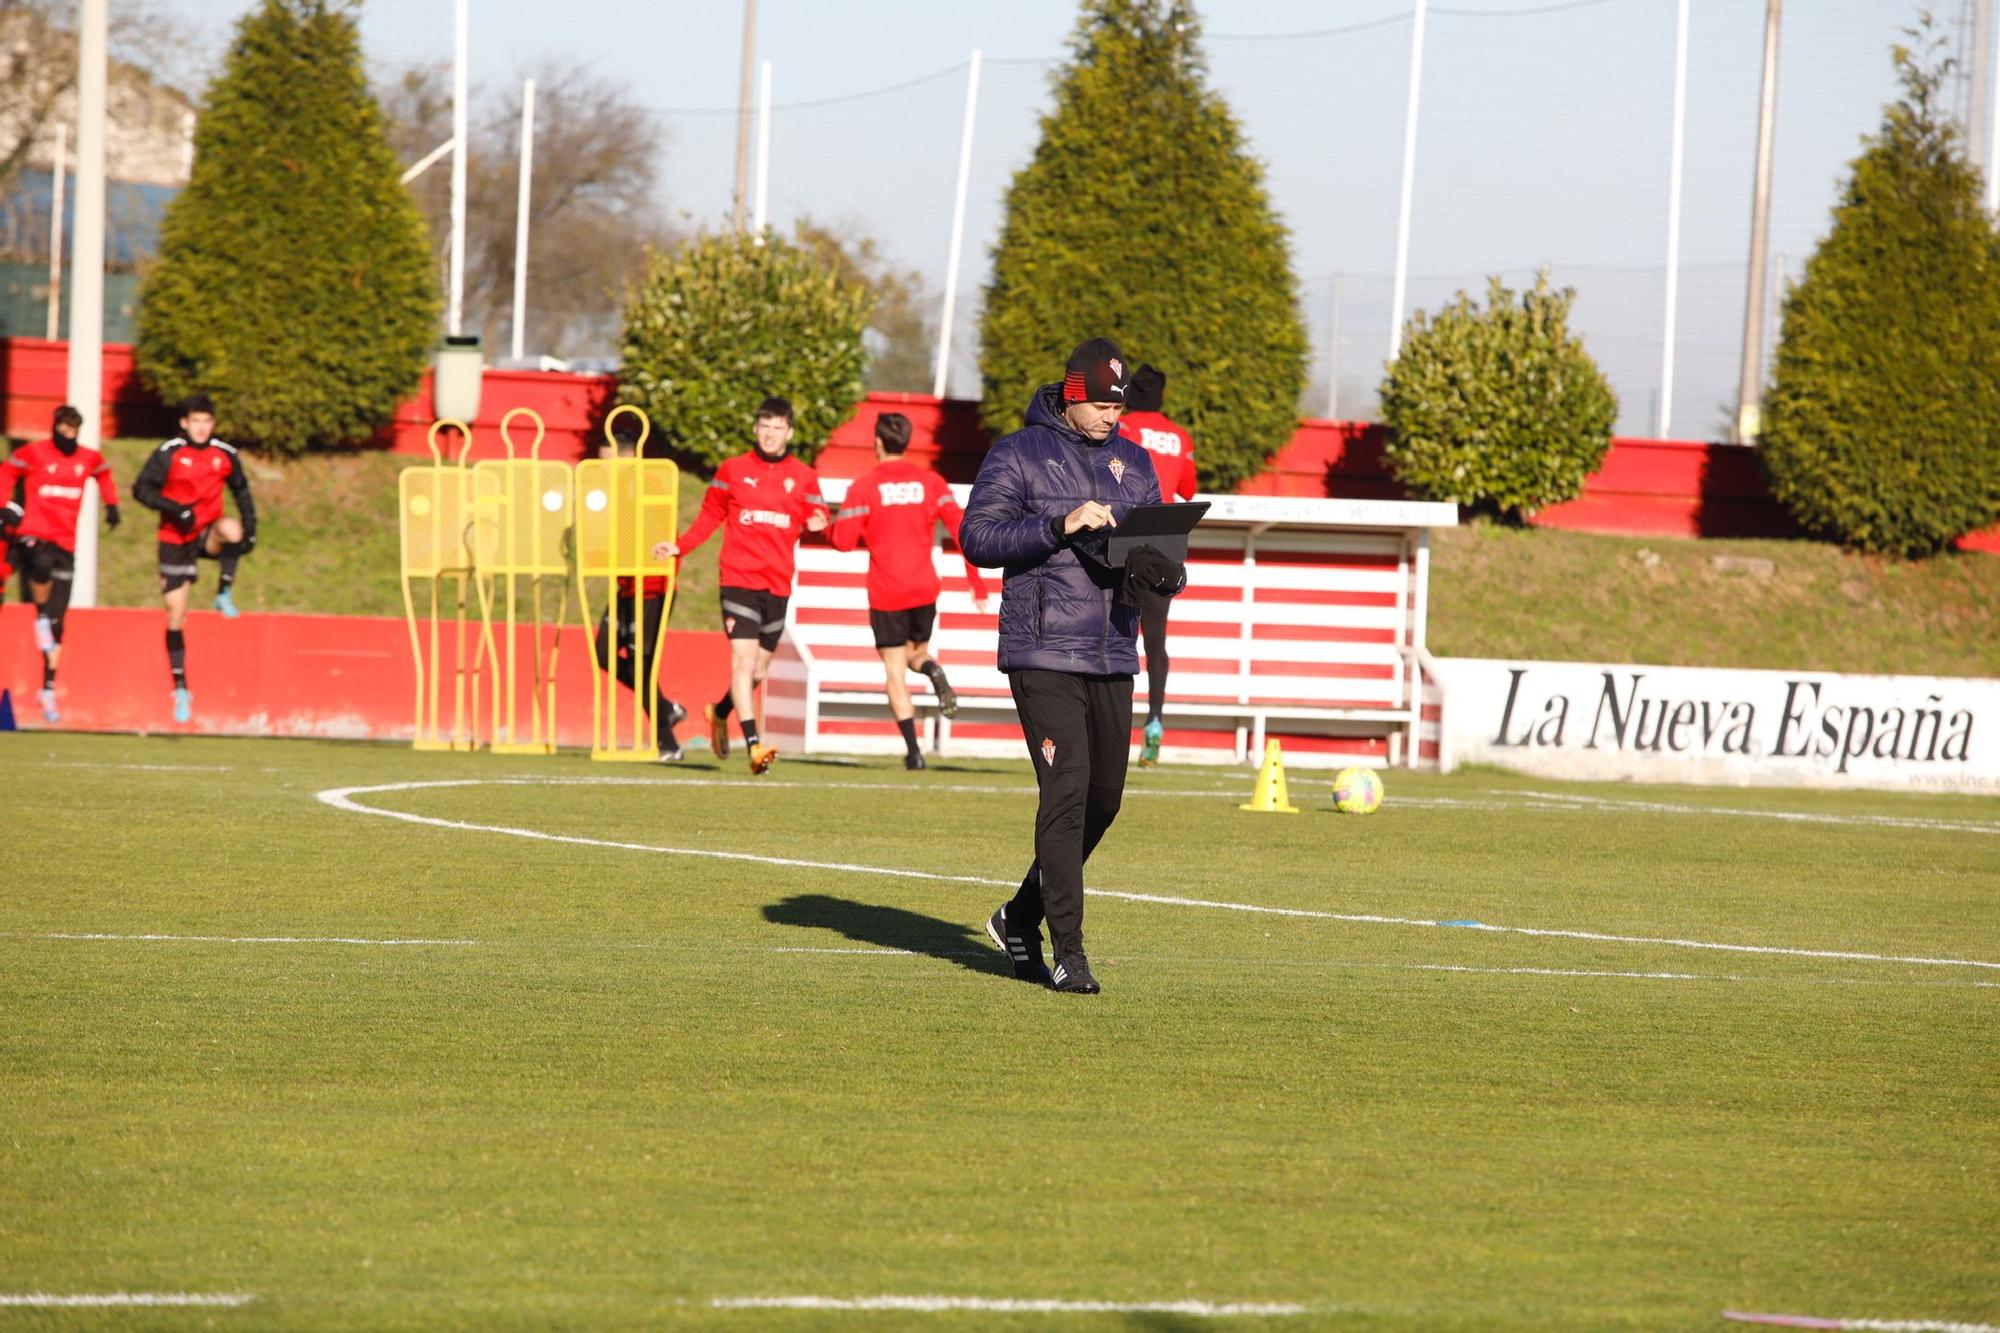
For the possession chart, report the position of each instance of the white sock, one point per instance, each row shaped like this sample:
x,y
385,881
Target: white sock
x,y
45,635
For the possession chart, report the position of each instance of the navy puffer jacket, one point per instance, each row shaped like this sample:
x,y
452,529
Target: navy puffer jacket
x,y
1059,609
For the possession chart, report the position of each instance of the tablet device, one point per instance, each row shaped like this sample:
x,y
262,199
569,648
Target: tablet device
x,y
1165,528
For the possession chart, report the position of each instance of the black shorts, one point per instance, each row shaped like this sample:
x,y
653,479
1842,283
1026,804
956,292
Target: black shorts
x,y
752,613
894,629
43,561
177,563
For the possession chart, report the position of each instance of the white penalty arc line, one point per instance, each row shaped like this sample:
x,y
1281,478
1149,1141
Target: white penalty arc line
x,y
985,1305
102,1300
1548,798
343,798
1859,1325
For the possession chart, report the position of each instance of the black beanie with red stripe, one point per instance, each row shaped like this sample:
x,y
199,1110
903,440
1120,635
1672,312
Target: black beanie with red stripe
x,y
1095,373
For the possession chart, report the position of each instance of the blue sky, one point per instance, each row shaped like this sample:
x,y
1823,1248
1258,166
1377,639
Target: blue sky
x,y
1543,137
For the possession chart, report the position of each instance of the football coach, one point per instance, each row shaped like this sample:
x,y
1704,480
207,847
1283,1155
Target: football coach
x,y
1041,507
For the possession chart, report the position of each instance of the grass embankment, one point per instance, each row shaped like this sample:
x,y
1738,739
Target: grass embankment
x,y
328,544
1793,605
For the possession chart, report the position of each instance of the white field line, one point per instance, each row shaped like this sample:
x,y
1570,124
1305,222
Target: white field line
x,y
1347,964
125,1298
1783,816
945,1304
245,939
1331,964
342,798
144,768
1860,1325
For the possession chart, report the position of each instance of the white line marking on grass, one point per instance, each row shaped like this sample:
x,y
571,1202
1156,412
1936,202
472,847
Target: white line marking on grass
x,y
1783,816
1861,1325
143,768
44,1298
943,1304
342,798
244,939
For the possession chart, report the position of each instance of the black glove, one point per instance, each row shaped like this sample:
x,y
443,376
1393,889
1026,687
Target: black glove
x,y
249,542
10,518
182,519
1148,566
111,519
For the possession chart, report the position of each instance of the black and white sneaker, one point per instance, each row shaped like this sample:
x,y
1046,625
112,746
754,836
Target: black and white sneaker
x,y
671,753
914,762
1023,951
1072,976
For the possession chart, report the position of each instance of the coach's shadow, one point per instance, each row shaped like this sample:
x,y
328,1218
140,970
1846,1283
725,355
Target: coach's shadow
x,y
890,928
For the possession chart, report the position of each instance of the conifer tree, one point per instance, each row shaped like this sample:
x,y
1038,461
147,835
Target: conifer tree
x,y
1882,424
293,282
1142,217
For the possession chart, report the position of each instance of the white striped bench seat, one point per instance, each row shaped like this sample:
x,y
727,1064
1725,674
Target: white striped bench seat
x,y
1306,632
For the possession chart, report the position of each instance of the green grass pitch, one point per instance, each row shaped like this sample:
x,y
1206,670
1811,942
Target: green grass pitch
x,y
620,1084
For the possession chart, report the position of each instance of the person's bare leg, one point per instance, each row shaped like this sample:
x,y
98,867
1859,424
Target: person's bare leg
x,y
896,665
743,686
757,675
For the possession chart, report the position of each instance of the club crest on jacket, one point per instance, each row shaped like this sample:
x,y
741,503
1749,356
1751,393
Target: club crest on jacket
x,y
1117,466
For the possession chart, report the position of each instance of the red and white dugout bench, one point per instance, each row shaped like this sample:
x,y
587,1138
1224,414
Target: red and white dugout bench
x,y
1303,621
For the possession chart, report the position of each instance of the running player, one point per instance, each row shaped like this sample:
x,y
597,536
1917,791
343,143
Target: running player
x,y
1173,458
641,628
45,482
895,509
767,499
183,480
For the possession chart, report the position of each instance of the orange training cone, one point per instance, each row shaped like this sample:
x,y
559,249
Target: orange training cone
x,y
1269,798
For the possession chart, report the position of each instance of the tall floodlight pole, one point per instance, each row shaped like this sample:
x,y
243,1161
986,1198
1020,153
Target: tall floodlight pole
x,y
86,292
738,198
957,228
1750,383
1409,180
58,170
1674,160
1333,353
521,200
763,147
461,20
1978,109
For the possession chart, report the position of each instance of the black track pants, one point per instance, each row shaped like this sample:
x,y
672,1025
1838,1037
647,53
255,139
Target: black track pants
x,y
1153,631
1079,734
620,656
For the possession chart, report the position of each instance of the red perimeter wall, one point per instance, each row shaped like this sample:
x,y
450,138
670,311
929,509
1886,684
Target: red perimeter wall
x,y
334,677
1670,488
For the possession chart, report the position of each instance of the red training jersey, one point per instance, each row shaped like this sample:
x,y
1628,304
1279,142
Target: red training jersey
x,y
895,509
52,485
181,475
1172,449
762,505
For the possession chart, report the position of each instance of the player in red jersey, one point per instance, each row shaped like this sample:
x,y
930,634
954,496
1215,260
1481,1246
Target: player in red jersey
x,y
184,480
45,484
895,510
764,500
638,624
1173,458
